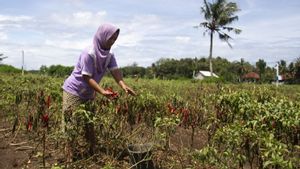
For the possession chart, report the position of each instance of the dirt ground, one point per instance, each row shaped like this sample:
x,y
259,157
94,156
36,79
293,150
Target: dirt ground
x,y
10,156
19,151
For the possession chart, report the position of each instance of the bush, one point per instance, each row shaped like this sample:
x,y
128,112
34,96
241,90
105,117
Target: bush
x,y
209,80
8,69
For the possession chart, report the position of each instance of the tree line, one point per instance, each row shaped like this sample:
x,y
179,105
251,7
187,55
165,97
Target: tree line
x,y
170,68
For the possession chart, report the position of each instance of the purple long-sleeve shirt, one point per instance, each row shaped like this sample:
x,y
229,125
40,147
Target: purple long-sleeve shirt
x,y
91,65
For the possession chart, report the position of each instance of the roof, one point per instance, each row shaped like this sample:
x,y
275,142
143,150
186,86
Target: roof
x,y
207,73
251,75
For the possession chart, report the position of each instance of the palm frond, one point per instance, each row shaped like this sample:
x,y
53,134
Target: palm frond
x,y
229,29
206,10
204,33
205,24
1,58
231,8
226,18
237,31
231,19
225,37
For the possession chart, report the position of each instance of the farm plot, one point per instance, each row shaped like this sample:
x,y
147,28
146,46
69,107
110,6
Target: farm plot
x,y
180,124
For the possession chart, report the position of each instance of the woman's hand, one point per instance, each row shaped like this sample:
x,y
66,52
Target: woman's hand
x,y
128,90
106,93
118,78
113,95
97,88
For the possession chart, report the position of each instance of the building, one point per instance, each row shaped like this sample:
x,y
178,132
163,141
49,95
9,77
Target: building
x,y
250,77
203,74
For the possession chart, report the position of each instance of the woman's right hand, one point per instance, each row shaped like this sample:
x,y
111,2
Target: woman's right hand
x,y
109,93
106,93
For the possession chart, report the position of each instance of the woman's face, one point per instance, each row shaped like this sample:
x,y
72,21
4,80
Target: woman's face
x,y
111,40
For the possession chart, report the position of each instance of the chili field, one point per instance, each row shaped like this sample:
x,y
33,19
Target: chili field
x,y
188,124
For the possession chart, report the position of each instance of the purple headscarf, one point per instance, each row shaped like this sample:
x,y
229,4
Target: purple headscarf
x,y
103,33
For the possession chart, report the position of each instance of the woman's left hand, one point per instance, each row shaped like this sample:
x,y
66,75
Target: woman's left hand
x,y
118,77
128,90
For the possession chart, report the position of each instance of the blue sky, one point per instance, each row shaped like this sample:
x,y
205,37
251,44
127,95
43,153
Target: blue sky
x,y
56,31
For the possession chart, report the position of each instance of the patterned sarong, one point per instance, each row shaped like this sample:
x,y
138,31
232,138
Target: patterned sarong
x,y
80,135
70,103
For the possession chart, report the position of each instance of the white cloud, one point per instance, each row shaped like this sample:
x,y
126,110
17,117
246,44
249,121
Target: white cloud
x,y
37,55
8,22
80,19
139,29
182,39
14,18
68,44
129,40
251,3
3,36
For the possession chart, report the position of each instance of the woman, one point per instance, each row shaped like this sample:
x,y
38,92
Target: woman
x,y
83,83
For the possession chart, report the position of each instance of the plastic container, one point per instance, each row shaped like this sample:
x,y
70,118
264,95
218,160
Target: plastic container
x,y
140,156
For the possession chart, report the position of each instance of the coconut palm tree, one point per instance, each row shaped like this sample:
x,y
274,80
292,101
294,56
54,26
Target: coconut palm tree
x,y
2,57
218,15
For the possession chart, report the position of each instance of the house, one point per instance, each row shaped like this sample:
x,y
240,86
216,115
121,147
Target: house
x,y
251,77
282,79
203,74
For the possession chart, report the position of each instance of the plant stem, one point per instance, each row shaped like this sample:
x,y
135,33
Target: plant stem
x,y
44,147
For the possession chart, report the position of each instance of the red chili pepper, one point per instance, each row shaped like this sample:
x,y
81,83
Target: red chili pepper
x,y
171,108
185,113
126,108
139,118
45,119
109,89
114,94
118,108
273,124
29,123
48,101
29,126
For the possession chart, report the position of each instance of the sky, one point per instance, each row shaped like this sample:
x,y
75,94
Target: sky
x,y
52,32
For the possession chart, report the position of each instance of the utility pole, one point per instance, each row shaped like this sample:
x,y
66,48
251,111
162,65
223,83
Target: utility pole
x,y
22,62
277,73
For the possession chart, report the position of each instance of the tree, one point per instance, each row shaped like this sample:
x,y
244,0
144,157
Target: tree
x,y
282,66
2,57
153,70
297,69
261,66
56,70
43,69
241,70
8,69
218,15
291,68
166,68
133,71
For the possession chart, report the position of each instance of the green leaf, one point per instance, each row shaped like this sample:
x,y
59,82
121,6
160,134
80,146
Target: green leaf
x,y
267,163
